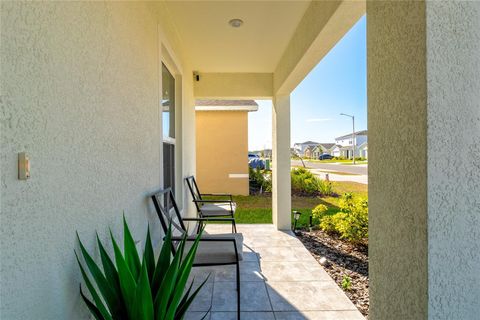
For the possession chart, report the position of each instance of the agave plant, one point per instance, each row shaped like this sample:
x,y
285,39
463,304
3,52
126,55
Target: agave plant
x,y
134,288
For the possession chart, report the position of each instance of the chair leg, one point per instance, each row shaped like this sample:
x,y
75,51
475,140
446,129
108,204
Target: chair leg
x,y
234,226
199,227
238,290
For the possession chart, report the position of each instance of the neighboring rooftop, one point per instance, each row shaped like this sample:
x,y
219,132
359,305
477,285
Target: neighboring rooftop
x,y
327,145
308,143
226,105
358,133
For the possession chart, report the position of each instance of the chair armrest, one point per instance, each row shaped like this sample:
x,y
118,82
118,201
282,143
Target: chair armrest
x,y
212,201
218,195
205,239
208,219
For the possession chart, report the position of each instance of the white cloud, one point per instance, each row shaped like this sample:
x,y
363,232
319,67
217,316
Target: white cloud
x,y
319,119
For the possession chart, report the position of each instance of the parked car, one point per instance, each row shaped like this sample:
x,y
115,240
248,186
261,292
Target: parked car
x,y
325,156
252,156
256,163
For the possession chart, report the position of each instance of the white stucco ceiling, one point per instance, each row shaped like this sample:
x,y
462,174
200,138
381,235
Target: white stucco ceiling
x,y
212,45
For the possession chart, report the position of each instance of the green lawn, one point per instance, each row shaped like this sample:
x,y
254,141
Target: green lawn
x,y
340,173
258,209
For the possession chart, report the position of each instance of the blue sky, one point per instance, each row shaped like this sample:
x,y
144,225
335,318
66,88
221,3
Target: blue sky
x,y
338,84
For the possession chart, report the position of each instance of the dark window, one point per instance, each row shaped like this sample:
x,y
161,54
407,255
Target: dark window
x,y
169,166
168,116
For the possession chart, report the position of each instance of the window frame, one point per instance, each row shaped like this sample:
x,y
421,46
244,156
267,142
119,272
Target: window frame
x,y
167,58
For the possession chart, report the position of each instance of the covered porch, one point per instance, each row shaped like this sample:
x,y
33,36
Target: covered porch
x,y
82,98
279,280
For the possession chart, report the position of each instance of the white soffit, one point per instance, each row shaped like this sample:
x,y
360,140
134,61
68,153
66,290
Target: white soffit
x,y
226,108
225,105
212,45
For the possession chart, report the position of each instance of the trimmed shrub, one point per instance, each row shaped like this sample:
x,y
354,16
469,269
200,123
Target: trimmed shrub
x,y
351,223
319,212
306,183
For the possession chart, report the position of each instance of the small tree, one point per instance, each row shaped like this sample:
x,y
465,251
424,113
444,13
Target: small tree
x,y
295,155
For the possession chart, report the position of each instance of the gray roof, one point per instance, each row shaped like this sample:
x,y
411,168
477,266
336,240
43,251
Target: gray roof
x,y
225,103
358,133
308,143
327,145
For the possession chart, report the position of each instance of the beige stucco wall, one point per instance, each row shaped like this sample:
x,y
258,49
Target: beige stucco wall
x,y
453,62
222,149
80,95
397,141
424,93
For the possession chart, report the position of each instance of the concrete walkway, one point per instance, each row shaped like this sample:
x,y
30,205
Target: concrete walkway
x,y
279,280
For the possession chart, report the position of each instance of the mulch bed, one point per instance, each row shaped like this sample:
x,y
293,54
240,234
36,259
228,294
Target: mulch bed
x,y
343,258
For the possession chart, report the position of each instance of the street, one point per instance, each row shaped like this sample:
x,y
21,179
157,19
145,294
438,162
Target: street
x,y
346,172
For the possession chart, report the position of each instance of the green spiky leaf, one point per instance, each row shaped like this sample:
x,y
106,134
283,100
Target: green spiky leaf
x,y
127,282
93,309
108,293
188,299
143,305
98,302
163,261
149,256
111,275
130,251
182,278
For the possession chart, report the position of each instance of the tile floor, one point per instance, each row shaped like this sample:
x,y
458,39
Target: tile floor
x,y
279,280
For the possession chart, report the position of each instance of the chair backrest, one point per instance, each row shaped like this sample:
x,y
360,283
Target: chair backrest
x,y
167,211
193,187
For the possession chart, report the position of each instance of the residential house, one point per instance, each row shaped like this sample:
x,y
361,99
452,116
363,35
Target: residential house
x,y
82,85
300,148
363,150
328,148
222,145
346,143
308,153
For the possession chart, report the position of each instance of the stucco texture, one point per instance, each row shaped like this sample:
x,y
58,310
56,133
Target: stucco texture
x,y
397,126
222,149
453,60
80,95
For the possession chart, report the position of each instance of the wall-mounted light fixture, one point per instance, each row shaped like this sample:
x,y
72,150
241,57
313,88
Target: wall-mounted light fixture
x,y
23,166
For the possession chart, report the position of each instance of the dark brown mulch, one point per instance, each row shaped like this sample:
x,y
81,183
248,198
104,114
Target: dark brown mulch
x,y
343,258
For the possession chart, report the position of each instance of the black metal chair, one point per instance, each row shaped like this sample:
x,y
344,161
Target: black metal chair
x,y
213,249
223,206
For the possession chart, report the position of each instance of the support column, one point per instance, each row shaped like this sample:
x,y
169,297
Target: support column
x,y
397,141
424,128
281,190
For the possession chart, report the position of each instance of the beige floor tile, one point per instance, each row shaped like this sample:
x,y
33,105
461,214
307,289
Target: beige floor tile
x,y
243,316
319,315
258,242
197,315
293,271
249,271
203,300
253,297
277,272
284,254
308,296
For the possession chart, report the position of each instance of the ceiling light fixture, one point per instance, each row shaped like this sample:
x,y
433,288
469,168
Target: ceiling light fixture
x,y
236,23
